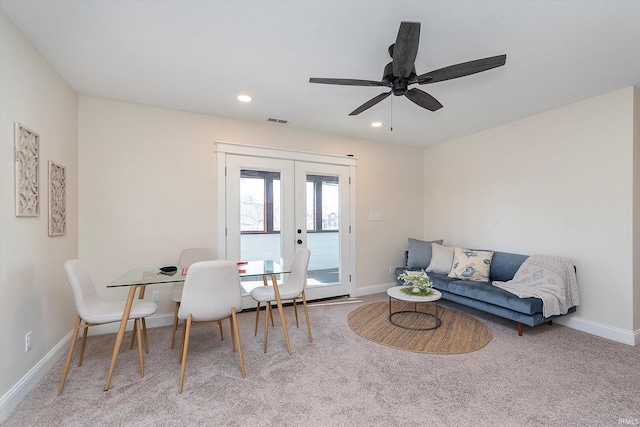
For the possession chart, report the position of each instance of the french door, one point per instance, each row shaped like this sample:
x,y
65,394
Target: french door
x,y
276,201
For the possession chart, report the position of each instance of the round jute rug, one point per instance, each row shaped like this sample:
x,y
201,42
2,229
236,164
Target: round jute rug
x,y
458,333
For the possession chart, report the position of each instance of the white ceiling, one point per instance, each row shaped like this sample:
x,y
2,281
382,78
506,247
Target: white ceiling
x,y
199,55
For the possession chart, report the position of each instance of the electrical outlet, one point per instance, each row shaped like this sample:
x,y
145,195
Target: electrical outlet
x,y
392,269
155,296
27,341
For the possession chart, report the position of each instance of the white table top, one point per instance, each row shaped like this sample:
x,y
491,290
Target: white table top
x,y
396,294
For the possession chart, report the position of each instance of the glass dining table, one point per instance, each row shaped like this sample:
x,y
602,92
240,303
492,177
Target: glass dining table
x,y
140,278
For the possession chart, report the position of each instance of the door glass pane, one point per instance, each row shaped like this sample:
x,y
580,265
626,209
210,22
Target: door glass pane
x,y
323,229
330,206
276,205
260,207
311,206
252,208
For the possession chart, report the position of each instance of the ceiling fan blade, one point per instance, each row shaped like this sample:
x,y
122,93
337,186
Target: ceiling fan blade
x,y
423,99
370,103
345,82
461,70
406,49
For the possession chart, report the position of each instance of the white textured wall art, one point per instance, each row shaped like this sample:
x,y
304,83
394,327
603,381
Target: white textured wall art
x,y
27,160
57,199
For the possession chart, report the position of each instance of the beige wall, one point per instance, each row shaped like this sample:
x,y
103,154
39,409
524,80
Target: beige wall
x,y
558,183
148,188
34,294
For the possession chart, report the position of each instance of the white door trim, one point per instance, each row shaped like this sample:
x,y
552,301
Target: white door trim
x,y
224,148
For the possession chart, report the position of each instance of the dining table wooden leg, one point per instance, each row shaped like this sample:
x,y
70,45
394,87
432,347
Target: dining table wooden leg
x,y
123,326
281,311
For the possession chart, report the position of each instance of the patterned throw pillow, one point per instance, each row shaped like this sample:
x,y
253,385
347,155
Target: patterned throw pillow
x,y
471,265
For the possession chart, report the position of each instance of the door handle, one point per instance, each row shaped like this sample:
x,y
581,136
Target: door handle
x,y
299,241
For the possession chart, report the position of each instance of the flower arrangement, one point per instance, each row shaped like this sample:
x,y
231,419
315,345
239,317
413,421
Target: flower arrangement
x,y
417,283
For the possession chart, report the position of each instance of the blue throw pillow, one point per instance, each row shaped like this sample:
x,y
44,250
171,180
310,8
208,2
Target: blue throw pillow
x,y
420,253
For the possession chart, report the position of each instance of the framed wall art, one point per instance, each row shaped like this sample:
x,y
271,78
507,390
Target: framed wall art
x,y
57,199
27,162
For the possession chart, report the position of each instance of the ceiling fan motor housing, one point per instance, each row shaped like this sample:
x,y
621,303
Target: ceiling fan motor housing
x,y
398,85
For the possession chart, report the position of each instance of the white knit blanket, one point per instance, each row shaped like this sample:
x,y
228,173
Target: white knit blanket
x,y
552,279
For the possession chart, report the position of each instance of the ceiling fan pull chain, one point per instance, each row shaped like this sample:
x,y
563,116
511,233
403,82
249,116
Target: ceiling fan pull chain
x,y
391,120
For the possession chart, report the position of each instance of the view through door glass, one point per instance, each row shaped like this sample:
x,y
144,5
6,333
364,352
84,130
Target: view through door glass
x,y
260,207
323,228
260,223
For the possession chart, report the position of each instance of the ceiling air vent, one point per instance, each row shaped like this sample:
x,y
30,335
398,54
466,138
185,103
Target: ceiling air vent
x,y
274,120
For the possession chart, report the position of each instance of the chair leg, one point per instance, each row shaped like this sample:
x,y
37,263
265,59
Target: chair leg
x,y
144,332
185,349
306,313
175,325
271,316
295,310
74,337
257,318
140,345
233,336
220,327
284,325
266,324
134,333
236,333
85,332
184,331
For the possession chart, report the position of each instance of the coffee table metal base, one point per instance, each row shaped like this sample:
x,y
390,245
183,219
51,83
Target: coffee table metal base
x,y
414,312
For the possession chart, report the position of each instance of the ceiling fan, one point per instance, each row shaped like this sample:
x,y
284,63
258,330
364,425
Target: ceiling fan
x,y
400,73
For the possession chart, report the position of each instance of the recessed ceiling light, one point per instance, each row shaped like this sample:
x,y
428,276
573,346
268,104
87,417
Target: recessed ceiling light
x,y
376,124
244,98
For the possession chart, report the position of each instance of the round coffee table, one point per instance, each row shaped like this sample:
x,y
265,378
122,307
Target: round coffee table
x,y
394,293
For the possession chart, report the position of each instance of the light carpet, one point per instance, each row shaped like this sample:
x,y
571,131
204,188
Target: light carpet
x,y
551,376
458,332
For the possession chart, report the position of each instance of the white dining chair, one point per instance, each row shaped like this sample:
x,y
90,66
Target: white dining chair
x,y
93,311
188,257
211,293
292,289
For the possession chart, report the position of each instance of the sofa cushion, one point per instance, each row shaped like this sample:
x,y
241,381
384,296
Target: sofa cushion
x,y
485,291
504,265
419,255
471,264
440,281
441,259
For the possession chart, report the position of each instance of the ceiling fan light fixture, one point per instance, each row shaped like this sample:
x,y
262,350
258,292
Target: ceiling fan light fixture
x,y
244,98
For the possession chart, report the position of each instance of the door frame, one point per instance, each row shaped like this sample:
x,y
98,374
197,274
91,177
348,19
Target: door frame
x,y
223,148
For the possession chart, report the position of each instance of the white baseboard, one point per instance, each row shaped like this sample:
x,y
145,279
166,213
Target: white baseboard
x,y
598,329
14,396
375,289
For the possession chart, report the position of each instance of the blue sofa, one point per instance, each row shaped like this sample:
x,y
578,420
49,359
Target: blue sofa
x,y
486,297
